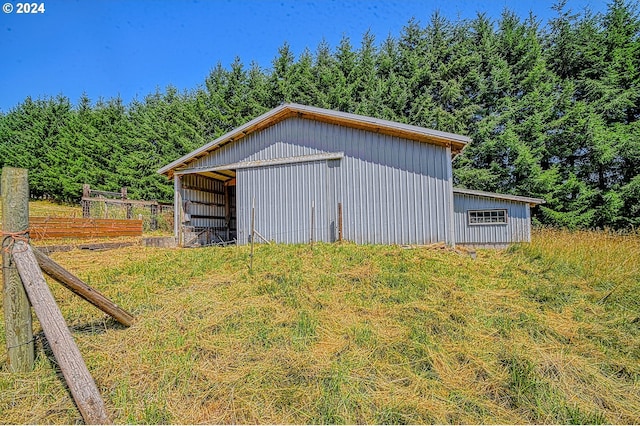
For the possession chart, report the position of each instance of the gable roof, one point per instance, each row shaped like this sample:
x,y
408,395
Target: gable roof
x,y
518,198
284,111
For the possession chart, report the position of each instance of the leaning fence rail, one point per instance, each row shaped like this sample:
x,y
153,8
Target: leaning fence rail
x,y
22,272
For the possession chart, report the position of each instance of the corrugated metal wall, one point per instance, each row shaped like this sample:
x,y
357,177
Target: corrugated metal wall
x,y
396,203
288,138
284,198
392,190
517,228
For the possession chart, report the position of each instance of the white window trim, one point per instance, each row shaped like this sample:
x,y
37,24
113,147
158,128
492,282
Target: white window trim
x,y
470,223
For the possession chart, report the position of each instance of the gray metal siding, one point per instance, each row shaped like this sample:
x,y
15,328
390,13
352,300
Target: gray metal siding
x,y
284,197
284,139
517,228
391,205
393,190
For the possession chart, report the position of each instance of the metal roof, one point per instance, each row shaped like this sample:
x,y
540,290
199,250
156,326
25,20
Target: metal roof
x,y
518,198
284,111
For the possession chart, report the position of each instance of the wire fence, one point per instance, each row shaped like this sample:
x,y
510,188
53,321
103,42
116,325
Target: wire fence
x,y
115,205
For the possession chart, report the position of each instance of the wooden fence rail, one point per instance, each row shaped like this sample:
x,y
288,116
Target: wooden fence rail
x,y
22,276
82,289
82,386
41,228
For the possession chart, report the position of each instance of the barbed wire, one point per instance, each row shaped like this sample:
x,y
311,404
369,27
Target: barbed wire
x,y
14,237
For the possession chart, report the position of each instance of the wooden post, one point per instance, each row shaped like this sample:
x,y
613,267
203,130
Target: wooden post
x,y
177,210
154,217
313,220
253,231
227,211
86,206
128,208
17,312
81,384
83,290
339,222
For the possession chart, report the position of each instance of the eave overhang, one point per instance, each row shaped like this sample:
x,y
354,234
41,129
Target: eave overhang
x,y
528,200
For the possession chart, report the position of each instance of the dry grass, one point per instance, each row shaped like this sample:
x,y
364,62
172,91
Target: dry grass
x,y
49,208
541,333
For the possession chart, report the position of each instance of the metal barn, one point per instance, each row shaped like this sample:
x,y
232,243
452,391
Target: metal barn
x,y
308,173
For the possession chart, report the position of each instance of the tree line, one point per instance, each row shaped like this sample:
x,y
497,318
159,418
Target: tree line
x,y
553,111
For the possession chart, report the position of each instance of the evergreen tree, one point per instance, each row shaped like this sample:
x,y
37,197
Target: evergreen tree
x,y
324,74
553,111
281,77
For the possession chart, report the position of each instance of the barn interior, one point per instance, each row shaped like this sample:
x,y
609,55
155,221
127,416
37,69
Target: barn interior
x,y
207,213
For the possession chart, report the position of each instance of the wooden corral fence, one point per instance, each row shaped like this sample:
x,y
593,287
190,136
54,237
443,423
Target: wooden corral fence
x,y
107,204
24,286
67,227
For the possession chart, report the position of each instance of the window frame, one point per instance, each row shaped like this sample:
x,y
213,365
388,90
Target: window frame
x,y
504,212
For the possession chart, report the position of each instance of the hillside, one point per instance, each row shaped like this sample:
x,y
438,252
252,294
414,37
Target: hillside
x,y
541,333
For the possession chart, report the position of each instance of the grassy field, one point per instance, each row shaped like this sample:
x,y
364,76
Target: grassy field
x,y
49,208
541,333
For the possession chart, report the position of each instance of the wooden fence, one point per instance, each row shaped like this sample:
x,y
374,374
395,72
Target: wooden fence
x,y
24,285
41,228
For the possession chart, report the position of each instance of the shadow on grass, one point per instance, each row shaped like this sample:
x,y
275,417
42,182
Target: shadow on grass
x,y
100,326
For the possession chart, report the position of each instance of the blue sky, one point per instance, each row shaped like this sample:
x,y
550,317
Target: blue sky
x,y
107,48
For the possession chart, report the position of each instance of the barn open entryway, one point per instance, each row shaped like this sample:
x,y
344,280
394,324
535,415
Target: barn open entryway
x,y
206,213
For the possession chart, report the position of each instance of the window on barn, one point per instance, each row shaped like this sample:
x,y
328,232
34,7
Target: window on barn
x,y
487,217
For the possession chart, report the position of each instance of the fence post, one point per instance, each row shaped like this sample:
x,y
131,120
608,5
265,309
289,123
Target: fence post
x,y
253,230
339,222
81,289
86,207
82,386
154,217
17,312
313,220
128,207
